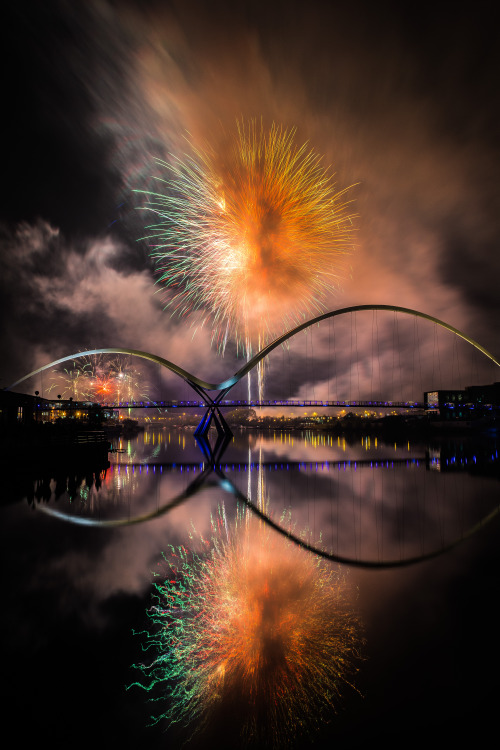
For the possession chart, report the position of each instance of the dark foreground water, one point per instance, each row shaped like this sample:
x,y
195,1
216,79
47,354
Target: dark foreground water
x,y
415,524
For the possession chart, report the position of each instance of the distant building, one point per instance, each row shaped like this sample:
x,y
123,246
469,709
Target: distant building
x,y
24,409
474,402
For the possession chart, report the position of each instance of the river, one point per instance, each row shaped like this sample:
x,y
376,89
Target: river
x,y
406,534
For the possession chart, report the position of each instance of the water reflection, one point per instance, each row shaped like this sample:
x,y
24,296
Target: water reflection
x,y
73,594
251,638
372,503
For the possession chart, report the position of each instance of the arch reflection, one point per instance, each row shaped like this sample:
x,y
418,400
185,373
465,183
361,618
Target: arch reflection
x,y
407,505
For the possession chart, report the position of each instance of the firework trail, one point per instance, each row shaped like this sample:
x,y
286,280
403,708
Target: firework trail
x,y
251,238
253,637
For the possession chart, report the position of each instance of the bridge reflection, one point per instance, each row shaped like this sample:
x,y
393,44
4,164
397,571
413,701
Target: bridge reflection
x,y
273,466
376,510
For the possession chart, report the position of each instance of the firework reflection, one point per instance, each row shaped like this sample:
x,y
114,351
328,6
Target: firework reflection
x,y
252,636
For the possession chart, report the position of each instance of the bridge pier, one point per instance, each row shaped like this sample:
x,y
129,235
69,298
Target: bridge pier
x,y
213,414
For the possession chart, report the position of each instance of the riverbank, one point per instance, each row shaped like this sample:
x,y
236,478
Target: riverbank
x,y
51,444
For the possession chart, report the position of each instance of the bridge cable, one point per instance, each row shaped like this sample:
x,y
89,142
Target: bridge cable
x,y
398,345
329,358
461,385
378,356
313,379
393,351
352,354
336,396
372,353
413,366
357,355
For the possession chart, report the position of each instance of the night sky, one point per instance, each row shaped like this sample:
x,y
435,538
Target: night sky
x,y
402,103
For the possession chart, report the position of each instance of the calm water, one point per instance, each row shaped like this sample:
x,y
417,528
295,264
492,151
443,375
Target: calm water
x,y
78,561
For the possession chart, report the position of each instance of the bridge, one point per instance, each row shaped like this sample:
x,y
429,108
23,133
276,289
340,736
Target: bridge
x,y
288,403
311,368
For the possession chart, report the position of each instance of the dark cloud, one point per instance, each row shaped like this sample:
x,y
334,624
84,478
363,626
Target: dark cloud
x,y
54,160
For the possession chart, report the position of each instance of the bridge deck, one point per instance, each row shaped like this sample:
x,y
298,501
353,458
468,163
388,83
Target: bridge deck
x,y
174,404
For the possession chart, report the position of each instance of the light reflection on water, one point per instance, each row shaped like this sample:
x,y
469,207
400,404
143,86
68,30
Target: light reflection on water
x,y
74,594
364,500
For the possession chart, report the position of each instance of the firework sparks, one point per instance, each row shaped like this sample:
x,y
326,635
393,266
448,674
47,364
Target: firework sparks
x,y
73,382
103,388
101,379
254,634
130,384
252,238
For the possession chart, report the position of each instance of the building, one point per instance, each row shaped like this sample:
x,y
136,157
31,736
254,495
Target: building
x,y
474,402
22,410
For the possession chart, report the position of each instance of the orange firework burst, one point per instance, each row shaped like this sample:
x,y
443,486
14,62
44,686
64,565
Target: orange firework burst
x,y
256,636
252,237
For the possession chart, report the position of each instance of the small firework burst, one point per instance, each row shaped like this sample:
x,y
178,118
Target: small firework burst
x,y
130,383
73,382
251,238
253,635
102,379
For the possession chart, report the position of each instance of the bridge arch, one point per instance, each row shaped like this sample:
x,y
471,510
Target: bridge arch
x,y
225,386
344,311
183,374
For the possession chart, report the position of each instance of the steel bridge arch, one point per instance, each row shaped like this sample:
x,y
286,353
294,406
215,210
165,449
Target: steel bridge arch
x,y
343,311
197,384
183,374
